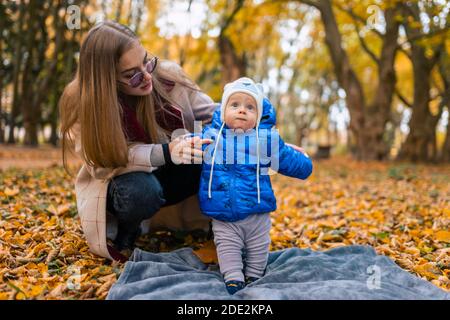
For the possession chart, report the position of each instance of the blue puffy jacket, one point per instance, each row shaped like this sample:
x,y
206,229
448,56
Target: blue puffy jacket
x,y
237,189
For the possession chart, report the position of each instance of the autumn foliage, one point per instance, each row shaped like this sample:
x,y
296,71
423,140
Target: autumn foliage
x,y
402,210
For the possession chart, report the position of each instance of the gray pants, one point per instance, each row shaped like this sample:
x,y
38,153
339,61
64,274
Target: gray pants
x,y
251,235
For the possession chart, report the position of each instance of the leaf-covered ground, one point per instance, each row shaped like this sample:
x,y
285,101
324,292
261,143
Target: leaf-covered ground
x,y
402,210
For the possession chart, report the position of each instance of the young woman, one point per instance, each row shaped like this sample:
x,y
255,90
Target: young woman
x,y
118,114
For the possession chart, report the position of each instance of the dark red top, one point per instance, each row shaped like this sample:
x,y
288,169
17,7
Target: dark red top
x,y
169,117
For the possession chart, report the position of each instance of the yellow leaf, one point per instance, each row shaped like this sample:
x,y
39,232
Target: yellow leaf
x,y
4,295
11,192
108,277
63,208
413,250
36,290
331,237
428,270
42,268
51,208
443,236
207,253
379,215
57,292
446,212
20,296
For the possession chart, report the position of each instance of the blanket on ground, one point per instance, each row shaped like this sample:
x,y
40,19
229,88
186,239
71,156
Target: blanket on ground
x,y
349,272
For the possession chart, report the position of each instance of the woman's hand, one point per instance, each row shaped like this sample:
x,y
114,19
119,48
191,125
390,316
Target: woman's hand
x,y
186,149
299,149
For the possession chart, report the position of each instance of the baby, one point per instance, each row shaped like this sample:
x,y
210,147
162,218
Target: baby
x,y
233,190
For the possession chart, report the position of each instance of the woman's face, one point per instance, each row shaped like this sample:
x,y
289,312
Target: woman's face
x,y
131,62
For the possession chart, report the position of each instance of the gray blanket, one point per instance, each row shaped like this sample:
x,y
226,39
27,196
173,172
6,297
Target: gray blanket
x,y
351,272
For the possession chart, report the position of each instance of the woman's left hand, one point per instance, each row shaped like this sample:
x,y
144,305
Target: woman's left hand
x,y
187,149
297,148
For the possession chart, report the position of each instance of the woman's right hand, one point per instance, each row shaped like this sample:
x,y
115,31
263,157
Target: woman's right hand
x,y
187,149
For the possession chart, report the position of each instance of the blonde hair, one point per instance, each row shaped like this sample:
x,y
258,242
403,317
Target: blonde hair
x,y
91,98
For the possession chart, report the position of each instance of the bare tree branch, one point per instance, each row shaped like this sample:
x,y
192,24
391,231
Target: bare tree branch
x,y
422,36
362,20
402,98
356,17
238,6
364,44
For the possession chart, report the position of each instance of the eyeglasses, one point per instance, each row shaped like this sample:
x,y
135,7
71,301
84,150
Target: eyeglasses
x,y
136,80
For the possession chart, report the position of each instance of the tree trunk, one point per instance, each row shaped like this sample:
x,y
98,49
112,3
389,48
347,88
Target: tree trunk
x,y
119,10
367,122
379,111
445,155
16,74
444,70
233,66
347,79
130,13
29,72
2,19
420,144
58,40
140,8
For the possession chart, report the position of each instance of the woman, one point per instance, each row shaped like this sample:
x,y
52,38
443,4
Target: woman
x,y
118,114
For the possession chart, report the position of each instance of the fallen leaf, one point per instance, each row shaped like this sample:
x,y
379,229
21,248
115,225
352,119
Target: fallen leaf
x,y
207,254
443,236
11,192
428,270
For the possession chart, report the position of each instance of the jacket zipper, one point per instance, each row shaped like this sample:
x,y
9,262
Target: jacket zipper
x,y
233,193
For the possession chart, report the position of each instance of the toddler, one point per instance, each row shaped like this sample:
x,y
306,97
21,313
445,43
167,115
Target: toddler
x,y
235,189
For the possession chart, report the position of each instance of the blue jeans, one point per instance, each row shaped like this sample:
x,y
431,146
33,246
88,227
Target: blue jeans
x,y
137,196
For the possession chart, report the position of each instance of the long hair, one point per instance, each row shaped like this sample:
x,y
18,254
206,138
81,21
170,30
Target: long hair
x,y
90,101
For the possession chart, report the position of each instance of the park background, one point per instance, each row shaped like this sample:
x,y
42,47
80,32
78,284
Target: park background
x,y
363,86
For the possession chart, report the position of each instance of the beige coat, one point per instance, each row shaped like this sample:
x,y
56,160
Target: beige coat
x,y
91,183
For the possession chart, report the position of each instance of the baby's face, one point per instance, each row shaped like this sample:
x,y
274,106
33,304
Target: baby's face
x,y
241,112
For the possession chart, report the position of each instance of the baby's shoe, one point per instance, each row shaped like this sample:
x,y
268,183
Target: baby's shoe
x,y
249,280
234,286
